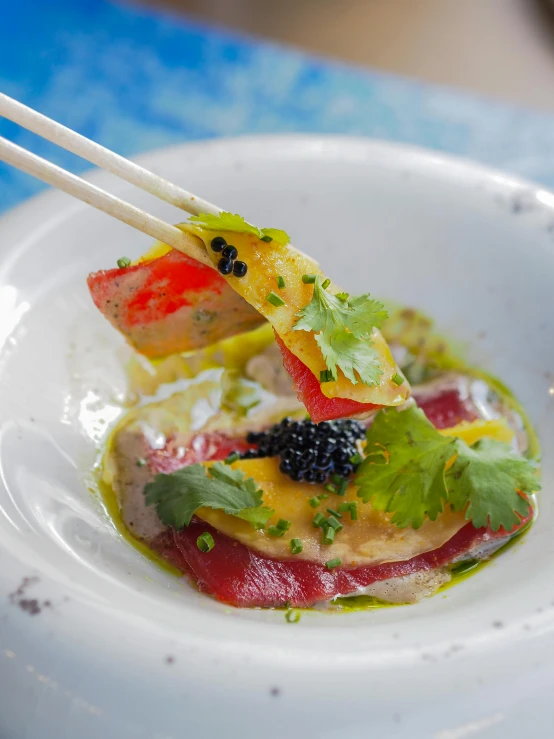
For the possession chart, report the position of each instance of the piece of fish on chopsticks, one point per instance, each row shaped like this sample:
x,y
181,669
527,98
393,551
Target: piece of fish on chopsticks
x,y
171,304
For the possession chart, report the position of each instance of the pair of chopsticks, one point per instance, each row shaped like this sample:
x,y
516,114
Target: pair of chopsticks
x,y
100,156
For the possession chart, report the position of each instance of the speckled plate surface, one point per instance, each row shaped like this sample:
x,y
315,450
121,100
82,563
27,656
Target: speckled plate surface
x,y
95,641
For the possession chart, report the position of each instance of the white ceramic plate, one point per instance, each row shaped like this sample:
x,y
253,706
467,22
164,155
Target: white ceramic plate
x,y
95,641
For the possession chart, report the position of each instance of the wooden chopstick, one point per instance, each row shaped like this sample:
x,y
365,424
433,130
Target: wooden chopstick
x,y
102,157
73,185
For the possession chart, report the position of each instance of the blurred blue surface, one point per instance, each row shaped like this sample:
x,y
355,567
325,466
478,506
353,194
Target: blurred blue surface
x,y
134,79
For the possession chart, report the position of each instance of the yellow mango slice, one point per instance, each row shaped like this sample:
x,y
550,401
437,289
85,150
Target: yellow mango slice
x,y
266,262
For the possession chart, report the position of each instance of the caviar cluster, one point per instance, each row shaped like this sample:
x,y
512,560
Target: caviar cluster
x,y
309,451
228,262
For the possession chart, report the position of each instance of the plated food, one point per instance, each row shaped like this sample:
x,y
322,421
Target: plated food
x,y
315,449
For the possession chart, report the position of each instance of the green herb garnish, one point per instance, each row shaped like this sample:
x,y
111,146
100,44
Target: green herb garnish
x,y
275,531
283,524
326,376
318,520
335,524
205,542
275,299
232,458
123,262
296,546
404,473
332,563
292,616
281,284
329,535
342,330
397,379
232,222
179,495
314,502
341,490
309,279
351,507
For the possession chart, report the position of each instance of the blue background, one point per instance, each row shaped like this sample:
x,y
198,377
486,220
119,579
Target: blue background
x,y
134,79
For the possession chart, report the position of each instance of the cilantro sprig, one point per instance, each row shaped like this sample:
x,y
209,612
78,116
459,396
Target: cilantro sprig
x,y
343,327
178,495
233,222
406,472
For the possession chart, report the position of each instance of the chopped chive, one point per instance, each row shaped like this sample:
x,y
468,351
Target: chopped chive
x,y
323,496
330,488
267,239
275,531
356,458
309,279
334,513
123,262
334,523
332,563
342,296
296,546
280,282
337,479
397,379
326,376
318,520
341,490
283,525
205,542
314,502
232,458
352,507
326,284
274,299
328,535
292,616
141,462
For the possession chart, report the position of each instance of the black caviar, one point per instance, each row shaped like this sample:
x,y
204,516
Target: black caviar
x,y
230,251
229,254
309,451
225,266
218,243
240,268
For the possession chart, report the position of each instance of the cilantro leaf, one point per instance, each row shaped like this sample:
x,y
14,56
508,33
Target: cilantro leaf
x,y
275,234
226,221
179,495
403,472
487,477
344,350
343,327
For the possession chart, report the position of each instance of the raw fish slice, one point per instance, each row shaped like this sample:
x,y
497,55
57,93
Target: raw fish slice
x,y
171,304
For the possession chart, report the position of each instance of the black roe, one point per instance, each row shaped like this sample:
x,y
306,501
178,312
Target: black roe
x,y
240,268
218,244
225,266
230,251
309,452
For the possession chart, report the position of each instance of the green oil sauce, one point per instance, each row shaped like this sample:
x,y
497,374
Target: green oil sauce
x,y
108,498
428,355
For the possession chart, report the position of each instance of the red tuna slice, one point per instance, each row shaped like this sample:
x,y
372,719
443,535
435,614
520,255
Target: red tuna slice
x,y
444,409
239,576
171,304
309,392
203,448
